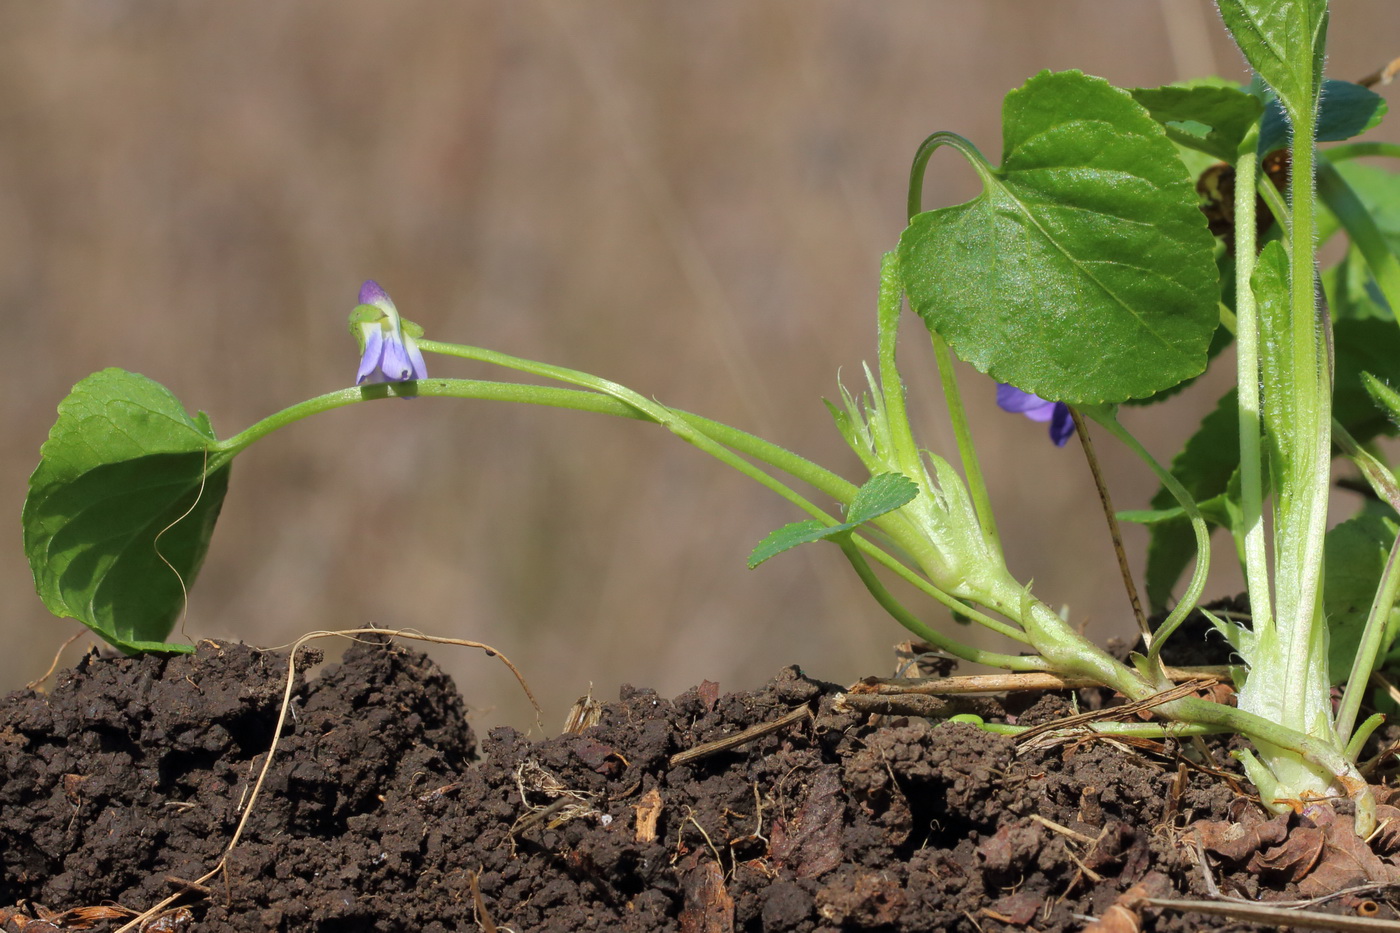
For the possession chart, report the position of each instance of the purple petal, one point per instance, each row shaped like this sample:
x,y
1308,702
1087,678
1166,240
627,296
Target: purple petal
x,y
395,364
1061,425
415,359
372,294
1012,399
369,362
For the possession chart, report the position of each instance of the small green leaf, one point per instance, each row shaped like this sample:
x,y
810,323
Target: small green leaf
x,y
1346,110
1204,466
1386,398
880,494
790,536
1270,284
1084,272
1356,551
1284,42
121,508
1367,347
1208,118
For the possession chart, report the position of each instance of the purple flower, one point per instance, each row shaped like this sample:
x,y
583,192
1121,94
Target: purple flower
x,y
389,350
1012,399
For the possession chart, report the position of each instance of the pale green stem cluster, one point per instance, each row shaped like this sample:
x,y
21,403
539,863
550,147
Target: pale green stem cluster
x,y
1284,393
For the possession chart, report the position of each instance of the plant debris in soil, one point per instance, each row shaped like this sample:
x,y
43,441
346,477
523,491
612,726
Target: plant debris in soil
x,y
381,812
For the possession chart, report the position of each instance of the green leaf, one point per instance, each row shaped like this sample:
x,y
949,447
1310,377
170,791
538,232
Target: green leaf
x,y
121,508
1368,216
1084,272
1356,551
1352,293
1218,342
1205,467
790,536
1283,42
1208,118
1371,347
1270,286
1386,398
1346,110
881,494
1378,190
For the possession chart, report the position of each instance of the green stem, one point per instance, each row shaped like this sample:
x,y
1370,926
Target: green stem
x,y
714,438
1362,735
1305,393
962,436
1104,416
1366,652
443,388
1264,732
915,194
943,355
897,417
708,435
955,605
1255,549
691,428
906,449
907,619
1278,207
1120,730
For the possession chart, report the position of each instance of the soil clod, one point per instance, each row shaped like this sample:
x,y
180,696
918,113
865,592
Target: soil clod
x,y
381,812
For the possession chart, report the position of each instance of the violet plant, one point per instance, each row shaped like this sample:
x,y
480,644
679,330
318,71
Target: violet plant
x,y
1084,277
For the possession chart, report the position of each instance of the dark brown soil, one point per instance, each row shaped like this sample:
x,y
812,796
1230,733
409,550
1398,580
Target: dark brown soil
x,y
382,813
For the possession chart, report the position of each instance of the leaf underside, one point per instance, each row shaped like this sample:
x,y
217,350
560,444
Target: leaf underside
x,y
121,509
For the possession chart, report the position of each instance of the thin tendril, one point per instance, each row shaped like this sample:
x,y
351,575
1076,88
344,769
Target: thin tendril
x,y
155,545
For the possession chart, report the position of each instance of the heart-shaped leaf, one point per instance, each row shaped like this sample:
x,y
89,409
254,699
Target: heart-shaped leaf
x,y
1084,272
121,508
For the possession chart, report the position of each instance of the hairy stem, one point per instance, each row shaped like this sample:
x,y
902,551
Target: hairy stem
x,y
1256,558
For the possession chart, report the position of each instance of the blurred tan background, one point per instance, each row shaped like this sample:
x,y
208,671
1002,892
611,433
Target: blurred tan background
x,y
689,198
